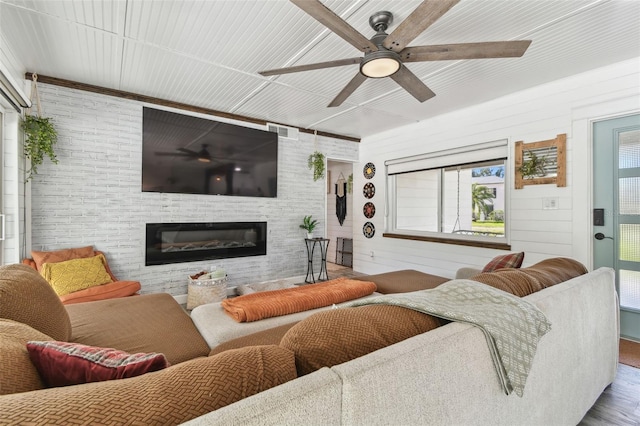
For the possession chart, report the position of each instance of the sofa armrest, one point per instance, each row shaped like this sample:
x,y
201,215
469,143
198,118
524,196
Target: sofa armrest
x,y
466,273
167,397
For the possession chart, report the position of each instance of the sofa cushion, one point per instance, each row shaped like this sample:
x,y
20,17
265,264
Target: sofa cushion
x,y
525,281
339,335
105,291
168,397
64,364
17,372
76,274
42,257
146,323
511,260
270,336
556,270
403,281
515,281
27,297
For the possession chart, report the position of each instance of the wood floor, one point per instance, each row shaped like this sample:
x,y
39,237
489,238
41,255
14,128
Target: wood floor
x,y
619,404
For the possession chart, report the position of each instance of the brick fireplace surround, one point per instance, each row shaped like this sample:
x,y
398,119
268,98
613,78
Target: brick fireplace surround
x,y
93,196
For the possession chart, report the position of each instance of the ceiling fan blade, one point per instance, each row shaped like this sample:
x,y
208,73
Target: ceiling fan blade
x,y
419,20
310,67
348,90
173,154
329,19
447,52
187,151
412,84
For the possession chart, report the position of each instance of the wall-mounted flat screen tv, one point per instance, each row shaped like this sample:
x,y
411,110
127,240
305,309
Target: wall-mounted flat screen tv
x,y
192,155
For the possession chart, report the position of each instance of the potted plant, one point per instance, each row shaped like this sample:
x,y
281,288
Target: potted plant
x,y
534,165
316,162
40,138
309,225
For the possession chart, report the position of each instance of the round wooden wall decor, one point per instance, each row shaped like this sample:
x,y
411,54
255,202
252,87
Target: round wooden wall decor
x,y
369,170
369,210
369,190
368,230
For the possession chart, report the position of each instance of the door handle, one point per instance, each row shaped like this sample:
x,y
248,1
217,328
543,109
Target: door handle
x,y
601,236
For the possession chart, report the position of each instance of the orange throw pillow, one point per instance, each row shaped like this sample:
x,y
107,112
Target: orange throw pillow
x,y
42,257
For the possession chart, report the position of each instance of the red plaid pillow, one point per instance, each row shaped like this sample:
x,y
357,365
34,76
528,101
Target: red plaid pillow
x,y
64,364
512,260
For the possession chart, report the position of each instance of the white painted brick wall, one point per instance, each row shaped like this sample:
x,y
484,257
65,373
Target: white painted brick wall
x,y
93,196
334,229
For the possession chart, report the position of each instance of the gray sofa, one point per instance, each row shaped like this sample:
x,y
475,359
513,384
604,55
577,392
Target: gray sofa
x,y
446,376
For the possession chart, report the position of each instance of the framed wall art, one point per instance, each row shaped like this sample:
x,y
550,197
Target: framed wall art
x,y
541,162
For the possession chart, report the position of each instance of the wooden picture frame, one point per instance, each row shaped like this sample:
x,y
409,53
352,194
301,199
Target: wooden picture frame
x,y
552,151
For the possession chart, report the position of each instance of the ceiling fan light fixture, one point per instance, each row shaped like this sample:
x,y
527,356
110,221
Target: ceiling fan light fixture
x,y
203,155
379,64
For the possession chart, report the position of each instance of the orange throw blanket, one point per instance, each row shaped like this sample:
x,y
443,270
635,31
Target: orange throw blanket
x,y
267,304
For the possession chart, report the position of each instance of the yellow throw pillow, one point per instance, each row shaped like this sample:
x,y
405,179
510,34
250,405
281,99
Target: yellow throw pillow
x,y
76,274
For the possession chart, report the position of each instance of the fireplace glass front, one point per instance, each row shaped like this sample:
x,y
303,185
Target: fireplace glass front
x,y
191,242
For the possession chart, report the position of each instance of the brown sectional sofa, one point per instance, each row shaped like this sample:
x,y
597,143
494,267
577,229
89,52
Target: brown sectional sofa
x,y
386,379
193,385
446,375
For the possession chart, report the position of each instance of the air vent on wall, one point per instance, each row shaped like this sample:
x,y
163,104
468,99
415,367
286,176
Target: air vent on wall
x,y
283,131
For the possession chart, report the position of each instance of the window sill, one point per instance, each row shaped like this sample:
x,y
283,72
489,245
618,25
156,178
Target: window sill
x,y
442,240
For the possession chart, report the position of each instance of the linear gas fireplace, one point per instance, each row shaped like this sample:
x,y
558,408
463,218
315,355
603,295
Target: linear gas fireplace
x,y
191,242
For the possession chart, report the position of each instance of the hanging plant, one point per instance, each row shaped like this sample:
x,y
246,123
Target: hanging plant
x,y
350,183
534,166
40,138
316,163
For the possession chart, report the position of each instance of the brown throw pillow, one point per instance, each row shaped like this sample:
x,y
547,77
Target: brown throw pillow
x,y
525,281
556,270
27,297
167,397
42,257
17,373
515,281
336,336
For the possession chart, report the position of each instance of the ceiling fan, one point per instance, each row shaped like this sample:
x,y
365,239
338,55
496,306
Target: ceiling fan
x,y
203,155
385,54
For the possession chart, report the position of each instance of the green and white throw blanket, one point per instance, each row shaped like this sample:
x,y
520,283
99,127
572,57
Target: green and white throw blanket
x,y
512,326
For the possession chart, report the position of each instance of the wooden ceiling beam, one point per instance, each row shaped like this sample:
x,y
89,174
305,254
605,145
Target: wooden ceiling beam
x,y
178,105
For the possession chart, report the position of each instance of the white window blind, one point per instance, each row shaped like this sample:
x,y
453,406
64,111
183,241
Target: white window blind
x,y
10,90
465,155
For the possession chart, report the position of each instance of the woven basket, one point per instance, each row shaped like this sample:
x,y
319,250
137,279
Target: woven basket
x,y
201,292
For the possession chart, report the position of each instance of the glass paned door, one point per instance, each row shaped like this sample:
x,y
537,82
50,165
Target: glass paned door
x,y
616,165
629,217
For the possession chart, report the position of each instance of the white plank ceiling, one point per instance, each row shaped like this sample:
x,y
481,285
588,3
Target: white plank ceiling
x,y
208,53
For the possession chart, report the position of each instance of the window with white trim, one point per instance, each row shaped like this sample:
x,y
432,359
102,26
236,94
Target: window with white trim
x,y
453,194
